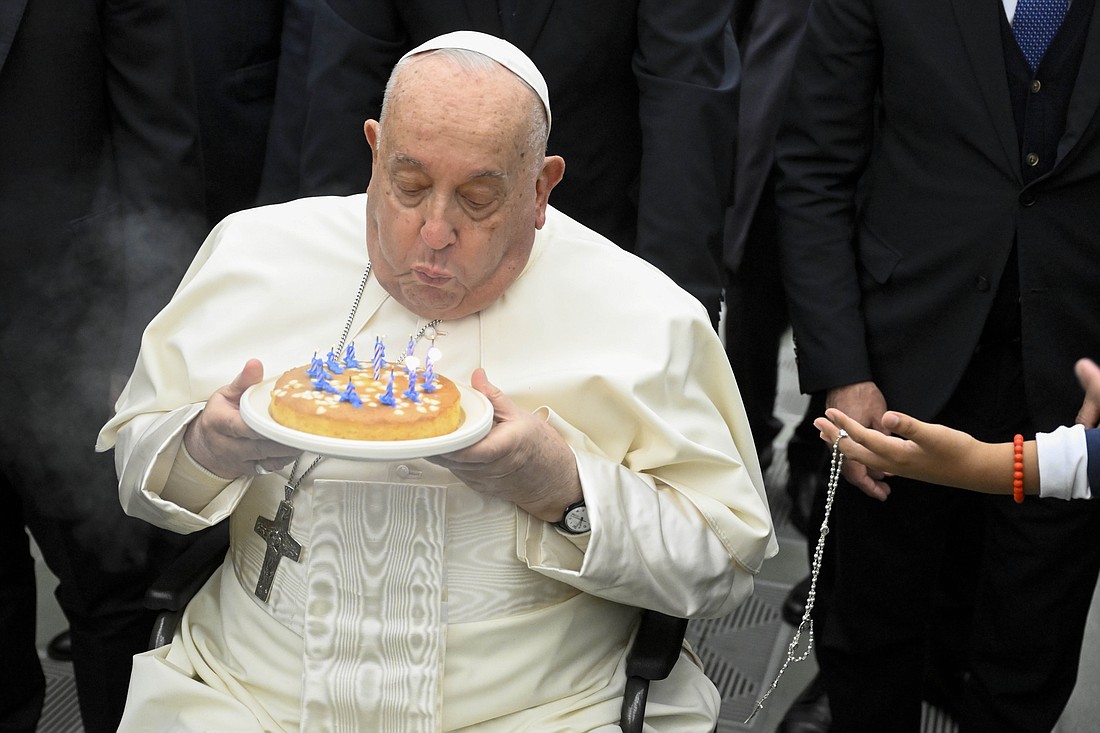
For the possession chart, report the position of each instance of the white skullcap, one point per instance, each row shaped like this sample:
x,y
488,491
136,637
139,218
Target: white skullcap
x,y
499,50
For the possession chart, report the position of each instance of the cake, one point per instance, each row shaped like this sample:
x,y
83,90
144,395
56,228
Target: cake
x,y
315,400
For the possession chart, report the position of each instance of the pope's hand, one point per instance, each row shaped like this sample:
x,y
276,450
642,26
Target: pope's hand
x,y
522,459
220,441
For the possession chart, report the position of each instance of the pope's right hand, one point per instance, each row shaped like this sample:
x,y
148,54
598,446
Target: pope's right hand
x,y
220,441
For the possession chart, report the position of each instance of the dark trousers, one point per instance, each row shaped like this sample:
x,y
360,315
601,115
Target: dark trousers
x,y
101,594
1019,579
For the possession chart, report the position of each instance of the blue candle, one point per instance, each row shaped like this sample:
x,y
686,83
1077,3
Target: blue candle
x,y
350,395
387,397
429,376
434,355
379,357
333,364
322,383
410,393
349,357
316,367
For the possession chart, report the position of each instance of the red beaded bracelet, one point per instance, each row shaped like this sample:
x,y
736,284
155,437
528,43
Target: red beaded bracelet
x,y
1018,468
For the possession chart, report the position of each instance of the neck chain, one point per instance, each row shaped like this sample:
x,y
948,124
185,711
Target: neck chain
x,y
276,532
292,483
807,624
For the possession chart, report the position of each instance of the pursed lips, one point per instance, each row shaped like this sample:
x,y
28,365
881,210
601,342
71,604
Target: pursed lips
x,y
431,277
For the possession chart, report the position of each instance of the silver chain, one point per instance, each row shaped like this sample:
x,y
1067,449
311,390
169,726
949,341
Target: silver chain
x,y
807,624
354,310
292,483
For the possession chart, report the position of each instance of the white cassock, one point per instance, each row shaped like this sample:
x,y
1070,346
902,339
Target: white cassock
x,y
418,604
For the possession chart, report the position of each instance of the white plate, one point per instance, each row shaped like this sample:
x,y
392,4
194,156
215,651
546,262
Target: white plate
x,y
477,419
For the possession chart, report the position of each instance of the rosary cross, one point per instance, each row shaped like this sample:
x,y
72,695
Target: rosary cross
x,y
276,533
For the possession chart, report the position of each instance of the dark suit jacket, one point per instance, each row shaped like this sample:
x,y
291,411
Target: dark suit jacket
x,y
100,187
98,108
643,95
235,50
768,42
894,285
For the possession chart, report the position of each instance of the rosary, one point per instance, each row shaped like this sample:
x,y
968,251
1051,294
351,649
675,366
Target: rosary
x,y
807,624
276,532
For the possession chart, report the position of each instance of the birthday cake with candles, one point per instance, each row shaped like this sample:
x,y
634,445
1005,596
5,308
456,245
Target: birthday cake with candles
x,y
381,400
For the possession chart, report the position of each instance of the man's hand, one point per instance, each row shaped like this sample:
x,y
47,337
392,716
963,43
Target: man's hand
x,y
220,441
1088,374
864,403
522,459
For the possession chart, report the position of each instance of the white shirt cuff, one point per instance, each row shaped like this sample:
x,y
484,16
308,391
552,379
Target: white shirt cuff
x,y
1063,463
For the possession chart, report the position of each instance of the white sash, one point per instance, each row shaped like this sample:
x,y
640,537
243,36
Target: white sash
x,y
375,608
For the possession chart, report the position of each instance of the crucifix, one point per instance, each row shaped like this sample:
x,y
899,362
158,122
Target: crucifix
x,y
276,533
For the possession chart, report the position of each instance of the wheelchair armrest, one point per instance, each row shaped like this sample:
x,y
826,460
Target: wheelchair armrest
x,y
652,656
178,583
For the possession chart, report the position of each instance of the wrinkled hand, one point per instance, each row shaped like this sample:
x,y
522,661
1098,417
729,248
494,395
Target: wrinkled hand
x,y
864,402
522,459
1088,374
933,453
220,441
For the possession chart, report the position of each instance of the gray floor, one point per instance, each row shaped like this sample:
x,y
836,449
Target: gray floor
x,y
741,652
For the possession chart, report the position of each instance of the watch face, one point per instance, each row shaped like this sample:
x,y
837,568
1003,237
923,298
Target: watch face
x,y
576,520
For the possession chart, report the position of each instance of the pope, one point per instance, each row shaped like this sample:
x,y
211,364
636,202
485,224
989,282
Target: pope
x,y
442,593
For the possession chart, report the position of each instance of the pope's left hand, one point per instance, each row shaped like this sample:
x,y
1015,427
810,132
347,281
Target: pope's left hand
x,y
522,459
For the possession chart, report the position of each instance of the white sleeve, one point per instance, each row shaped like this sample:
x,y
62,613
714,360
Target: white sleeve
x,y
1063,463
153,489
647,539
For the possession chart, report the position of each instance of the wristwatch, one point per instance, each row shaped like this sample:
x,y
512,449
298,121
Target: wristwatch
x,y
575,519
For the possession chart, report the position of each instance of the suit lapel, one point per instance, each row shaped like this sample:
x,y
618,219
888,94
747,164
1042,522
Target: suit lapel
x,y
980,26
11,13
1085,100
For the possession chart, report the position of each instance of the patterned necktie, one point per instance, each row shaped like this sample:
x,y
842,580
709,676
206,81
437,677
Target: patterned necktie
x,y
1034,26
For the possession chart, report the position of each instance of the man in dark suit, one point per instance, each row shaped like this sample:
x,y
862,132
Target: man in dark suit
x,y
644,98
938,231
100,210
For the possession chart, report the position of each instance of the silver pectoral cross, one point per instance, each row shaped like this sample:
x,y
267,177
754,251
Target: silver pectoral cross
x,y
276,533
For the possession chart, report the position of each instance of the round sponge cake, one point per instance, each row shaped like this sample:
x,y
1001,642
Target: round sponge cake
x,y
297,403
